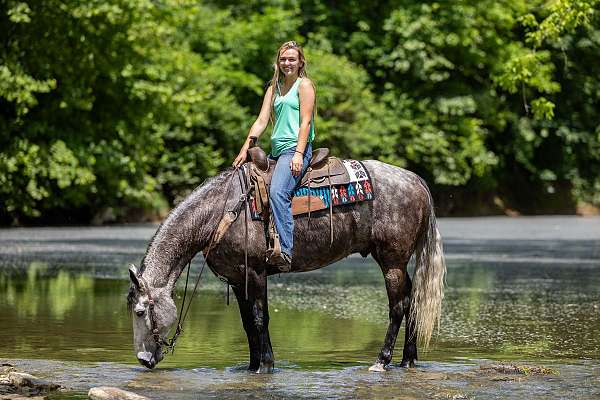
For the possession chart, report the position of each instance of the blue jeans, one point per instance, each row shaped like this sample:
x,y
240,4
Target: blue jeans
x,y
282,188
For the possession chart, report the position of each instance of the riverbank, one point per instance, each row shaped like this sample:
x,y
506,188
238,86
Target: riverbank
x,y
486,239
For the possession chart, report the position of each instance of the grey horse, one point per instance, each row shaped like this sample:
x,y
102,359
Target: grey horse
x,y
398,222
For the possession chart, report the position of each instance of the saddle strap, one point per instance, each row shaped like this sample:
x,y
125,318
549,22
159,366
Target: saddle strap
x,y
224,225
228,218
253,187
330,206
245,191
309,180
263,193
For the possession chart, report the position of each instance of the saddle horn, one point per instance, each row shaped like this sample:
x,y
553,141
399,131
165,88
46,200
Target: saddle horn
x,y
253,141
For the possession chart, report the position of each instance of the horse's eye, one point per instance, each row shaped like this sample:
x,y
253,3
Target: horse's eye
x,y
140,313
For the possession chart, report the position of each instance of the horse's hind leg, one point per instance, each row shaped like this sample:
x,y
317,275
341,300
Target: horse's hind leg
x,y
409,354
398,286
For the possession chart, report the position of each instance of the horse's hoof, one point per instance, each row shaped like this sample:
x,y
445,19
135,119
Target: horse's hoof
x,y
407,364
377,367
265,369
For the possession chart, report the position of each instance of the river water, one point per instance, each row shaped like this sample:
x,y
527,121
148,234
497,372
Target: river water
x,y
522,291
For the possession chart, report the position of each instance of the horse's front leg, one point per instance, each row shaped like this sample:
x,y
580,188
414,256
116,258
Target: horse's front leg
x,y
249,327
261,317
257,297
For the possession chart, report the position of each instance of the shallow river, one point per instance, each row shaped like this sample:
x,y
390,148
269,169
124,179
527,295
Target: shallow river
x,y
519,291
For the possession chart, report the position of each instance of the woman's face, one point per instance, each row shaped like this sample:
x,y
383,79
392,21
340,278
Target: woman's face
x,y
289,62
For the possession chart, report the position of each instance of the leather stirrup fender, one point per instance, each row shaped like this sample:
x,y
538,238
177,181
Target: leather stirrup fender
x,y
261,191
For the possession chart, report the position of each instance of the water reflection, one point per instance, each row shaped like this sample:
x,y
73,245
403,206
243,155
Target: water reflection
x,y
60,316
64,317
516,311
325,319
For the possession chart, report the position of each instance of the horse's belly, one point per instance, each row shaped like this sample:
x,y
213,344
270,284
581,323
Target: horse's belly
x,y
313,244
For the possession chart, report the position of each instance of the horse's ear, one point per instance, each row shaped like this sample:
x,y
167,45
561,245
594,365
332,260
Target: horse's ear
x,y
133,276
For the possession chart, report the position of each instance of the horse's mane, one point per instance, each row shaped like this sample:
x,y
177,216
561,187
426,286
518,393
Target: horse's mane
x,y
193,207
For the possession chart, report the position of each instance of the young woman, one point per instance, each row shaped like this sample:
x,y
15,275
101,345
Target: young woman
x,y
291,98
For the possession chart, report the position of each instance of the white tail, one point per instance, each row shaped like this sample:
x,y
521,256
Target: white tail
x,y
428,280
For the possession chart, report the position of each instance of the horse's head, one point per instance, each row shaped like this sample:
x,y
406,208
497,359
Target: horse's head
x,y
154,312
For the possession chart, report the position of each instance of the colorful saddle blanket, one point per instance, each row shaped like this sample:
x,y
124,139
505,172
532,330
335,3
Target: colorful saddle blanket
x,y
317,195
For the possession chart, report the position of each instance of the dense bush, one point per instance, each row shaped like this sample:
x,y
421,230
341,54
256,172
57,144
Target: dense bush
x,y
111,107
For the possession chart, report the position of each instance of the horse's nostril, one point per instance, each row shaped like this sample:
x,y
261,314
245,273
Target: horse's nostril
x,y
147,364
146,359
140,313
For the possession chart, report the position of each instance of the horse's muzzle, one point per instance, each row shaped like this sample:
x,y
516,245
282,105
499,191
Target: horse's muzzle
x,y
147,359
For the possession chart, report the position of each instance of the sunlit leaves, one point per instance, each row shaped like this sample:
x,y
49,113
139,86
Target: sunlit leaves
x,y
526,68
542,108
564,17
19,12
20,88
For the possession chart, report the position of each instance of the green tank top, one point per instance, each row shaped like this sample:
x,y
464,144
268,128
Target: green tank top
x,y
287,121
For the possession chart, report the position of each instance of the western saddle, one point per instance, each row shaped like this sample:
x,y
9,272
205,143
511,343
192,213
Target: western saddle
x,y
323,171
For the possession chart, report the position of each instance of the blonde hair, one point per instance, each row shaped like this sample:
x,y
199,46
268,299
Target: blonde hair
x,y
275,82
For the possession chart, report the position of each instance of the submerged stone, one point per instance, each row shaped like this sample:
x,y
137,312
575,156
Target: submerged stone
x,y
5,369
23,380
19,397
113,393
518,369
18,385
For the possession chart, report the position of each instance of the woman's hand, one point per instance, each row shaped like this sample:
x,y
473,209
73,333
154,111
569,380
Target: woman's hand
x,y
241,157
296,164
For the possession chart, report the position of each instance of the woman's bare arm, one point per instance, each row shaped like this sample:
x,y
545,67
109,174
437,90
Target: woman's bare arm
x,y
258,127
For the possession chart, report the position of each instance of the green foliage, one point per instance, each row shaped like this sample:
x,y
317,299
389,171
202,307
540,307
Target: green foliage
x,y
480,91
131,106
125,105
564,17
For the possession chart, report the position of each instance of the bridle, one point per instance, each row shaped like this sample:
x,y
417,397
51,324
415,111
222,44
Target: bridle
x,y
144,288
169,344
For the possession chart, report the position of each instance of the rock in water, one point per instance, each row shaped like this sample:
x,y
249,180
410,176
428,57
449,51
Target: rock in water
x,y
113,393
5,369
23,380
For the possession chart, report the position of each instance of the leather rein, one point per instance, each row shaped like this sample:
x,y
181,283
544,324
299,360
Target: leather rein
x,y
169,344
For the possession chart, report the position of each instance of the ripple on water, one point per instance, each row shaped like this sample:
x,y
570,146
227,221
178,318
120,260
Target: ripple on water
x,y
327,329
469,379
